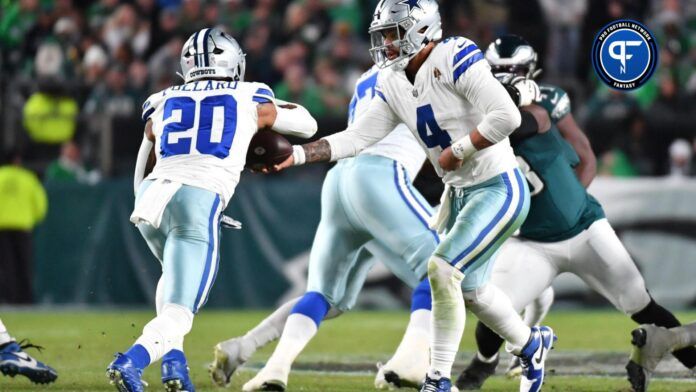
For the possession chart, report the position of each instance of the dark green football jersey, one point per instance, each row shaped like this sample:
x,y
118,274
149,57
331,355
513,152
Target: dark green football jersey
x,y
560,205
555,101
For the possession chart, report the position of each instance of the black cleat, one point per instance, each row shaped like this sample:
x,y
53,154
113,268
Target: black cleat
x,y
473,377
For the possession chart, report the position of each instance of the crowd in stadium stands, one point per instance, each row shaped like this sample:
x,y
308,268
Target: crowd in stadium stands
x,y
67,64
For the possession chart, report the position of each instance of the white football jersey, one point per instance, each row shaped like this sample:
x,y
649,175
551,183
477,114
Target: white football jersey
x,y
400,145
202,132
454,92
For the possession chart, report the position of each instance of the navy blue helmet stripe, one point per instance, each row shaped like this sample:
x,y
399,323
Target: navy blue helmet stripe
x,y
205,47
195,47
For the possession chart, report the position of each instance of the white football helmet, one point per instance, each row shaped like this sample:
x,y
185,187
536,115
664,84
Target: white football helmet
x,y
403,26
212,53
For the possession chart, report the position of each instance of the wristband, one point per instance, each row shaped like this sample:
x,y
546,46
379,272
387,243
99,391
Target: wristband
x,y
463,148
298,155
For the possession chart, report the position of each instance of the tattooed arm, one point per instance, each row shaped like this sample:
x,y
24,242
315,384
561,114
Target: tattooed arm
x,y
369,128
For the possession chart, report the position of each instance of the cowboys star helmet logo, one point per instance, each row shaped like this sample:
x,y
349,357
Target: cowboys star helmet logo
x,y
411,4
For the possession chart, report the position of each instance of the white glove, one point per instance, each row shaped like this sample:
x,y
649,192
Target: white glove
x,y
528,90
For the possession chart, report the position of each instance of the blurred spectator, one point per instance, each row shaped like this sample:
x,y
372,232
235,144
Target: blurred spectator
x,y
18,17
307,21
564,18
299,88
334,97
125,28
22,206
69,167
113,98
615,163
164,65
50,115
680,153
258,48
610,114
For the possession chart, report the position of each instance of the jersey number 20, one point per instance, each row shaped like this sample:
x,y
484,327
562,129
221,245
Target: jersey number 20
x,y
217,123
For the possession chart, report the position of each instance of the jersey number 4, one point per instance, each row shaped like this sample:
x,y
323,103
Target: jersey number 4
x,y
217,123
425,121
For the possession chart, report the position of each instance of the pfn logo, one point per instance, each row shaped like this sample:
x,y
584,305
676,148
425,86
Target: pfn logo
x,y
624,54
621,54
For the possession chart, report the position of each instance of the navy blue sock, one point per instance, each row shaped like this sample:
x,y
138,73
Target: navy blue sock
x,y
174,355
421,298
139,356
312,305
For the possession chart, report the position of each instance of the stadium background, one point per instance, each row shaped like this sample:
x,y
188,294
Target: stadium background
x,y
74,74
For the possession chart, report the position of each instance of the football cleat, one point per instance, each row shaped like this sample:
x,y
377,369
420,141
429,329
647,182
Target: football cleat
x,y
387,379
175,376
123,374
650,345
514,368
227,359
267,379
533,357
473,377
440,385
14,361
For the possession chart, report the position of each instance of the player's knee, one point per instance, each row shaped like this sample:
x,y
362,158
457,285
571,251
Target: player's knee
x,y
421,298
442,275
313,305
634,299
477,297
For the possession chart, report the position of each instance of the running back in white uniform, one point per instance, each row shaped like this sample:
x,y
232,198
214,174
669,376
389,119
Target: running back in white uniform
x,y
203,129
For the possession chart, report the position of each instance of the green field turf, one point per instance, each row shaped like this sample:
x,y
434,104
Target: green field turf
x,y
80,345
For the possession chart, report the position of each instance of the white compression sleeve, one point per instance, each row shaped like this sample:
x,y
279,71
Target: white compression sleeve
x,y
484,91
448,316
368,129
166,331
296,121
4,335
141,163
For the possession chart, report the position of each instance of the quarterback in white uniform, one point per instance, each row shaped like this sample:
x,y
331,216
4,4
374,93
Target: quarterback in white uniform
x,y
369,212
201,131
450,100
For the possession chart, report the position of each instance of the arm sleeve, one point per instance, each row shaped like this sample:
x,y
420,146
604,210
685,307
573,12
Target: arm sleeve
x,y
294,122
528,128
141,163
482,89
366,130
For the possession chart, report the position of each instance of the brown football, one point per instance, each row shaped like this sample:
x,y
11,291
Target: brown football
x,y
267,148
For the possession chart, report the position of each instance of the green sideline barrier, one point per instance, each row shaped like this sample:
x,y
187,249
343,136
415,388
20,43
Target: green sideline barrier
x,y
87,251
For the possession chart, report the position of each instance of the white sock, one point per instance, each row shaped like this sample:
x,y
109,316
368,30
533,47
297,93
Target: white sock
x,y
684,336
166,331
416,340
539,308
4,335
159,295
298,331
448,316
267,330
494,309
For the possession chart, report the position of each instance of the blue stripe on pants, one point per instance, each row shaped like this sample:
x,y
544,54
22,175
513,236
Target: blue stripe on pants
x,y
492,224
209,257
509,223
410,206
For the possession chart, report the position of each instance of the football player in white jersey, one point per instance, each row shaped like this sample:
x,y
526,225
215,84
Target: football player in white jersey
x,y
201,131
447,96
370,212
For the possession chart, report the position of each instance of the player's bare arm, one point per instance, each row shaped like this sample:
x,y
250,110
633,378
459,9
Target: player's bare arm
x,y
587,168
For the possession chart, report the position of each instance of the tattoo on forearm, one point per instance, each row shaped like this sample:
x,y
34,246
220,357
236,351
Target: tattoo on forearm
x,y
319,151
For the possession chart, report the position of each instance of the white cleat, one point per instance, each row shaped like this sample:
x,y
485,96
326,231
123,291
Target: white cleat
x,y
406,369
268,379
650,345
533,358
228,357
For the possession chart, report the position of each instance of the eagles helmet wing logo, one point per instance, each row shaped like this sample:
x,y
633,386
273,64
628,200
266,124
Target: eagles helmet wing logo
x,y
411,4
